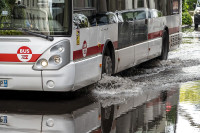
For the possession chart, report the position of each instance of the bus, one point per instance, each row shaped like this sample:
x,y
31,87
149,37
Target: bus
x,y
65,45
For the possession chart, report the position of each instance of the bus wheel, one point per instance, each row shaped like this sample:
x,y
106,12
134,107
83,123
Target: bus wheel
x,y
196,26
165,46
107,65
107,116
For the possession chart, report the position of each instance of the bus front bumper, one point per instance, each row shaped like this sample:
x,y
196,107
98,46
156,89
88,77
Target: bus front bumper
x,y
23,77
20,77
59,80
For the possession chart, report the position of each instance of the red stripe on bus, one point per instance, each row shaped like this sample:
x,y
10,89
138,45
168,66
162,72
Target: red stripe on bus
x,y
159,33
115,44
97,130
173,30
90,51
155,34
14,58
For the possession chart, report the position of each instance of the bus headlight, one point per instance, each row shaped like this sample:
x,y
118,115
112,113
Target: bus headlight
x,y
44,63
55,57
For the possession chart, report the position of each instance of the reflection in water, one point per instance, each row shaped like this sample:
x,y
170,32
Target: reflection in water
x,y
189,108
151,111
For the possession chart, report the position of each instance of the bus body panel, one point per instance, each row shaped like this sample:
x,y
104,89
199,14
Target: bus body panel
x,y
93,36
87,71
155,48
173,23
113,34
83,35
156,27
103,33
141,52
140,31
59,80
175,36
126,58
126,35
20,76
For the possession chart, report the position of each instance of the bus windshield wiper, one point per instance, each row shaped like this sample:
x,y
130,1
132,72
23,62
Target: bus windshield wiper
x,y
50,38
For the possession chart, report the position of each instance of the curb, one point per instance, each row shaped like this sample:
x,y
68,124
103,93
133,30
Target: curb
x,y
185,27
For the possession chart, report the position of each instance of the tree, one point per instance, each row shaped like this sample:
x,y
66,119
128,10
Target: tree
x,y
190,4
186,17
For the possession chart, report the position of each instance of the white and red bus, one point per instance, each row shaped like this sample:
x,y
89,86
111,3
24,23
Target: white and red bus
x,y
64,45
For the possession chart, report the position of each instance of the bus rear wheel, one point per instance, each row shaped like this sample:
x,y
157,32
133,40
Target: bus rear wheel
x,y
107,65
165,46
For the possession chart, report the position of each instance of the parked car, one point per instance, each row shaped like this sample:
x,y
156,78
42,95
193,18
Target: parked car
x,y
197,14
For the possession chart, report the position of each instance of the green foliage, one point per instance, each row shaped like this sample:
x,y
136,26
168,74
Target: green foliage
x,y
11,2
185,6
190,4
10,32
190,92
6,21
186,19
2,4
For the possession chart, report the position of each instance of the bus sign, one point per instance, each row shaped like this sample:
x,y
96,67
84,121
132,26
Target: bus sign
x,y
24,54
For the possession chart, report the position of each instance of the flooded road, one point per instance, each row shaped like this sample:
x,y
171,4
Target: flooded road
x,y
189,108
155,97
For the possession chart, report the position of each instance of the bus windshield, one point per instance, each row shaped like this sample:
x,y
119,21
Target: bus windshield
x,y
47,17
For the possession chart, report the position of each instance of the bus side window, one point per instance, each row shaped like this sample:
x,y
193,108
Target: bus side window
x,y
92,20
128,16
80,21
140,15
102,19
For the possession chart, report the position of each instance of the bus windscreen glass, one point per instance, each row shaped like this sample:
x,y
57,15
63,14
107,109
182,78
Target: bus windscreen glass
x,y
49,17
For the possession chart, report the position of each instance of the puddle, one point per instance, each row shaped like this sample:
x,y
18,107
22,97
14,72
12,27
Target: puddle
x,y
189,108
171,110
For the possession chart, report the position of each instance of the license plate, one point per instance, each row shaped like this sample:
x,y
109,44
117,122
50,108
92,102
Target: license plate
x,y
3,120
3,83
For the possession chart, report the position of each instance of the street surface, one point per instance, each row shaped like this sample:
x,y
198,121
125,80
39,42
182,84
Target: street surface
x,y
157,96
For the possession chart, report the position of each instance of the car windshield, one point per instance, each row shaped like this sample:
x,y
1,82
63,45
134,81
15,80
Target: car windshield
x,y
47,17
